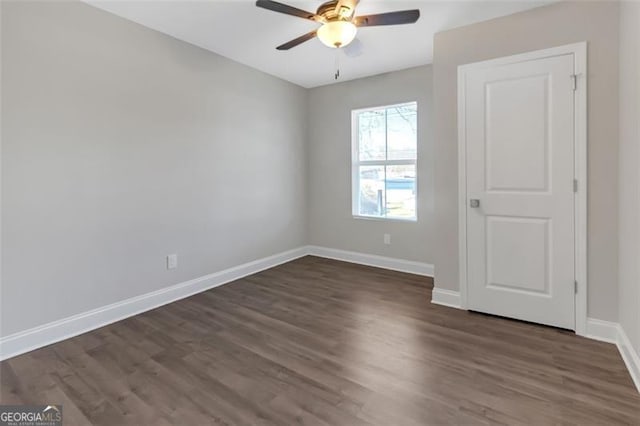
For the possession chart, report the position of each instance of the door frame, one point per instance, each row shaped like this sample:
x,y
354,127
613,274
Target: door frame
x,y
579,51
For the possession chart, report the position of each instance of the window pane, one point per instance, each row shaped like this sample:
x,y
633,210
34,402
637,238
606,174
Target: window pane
x,y
371,191
401,191
402,125
371,135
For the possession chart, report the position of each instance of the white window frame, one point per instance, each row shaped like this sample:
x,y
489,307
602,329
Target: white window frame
x,y
356,163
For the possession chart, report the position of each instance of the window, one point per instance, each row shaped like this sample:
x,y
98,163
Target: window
x,y
384,161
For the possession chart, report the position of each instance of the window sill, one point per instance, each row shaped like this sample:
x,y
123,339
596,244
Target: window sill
x,y
386,219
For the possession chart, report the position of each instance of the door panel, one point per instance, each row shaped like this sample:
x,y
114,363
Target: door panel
x,y
517,163
511,265
520,165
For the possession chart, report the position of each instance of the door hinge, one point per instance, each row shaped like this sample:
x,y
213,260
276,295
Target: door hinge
x,y
574,81
575,185
575,287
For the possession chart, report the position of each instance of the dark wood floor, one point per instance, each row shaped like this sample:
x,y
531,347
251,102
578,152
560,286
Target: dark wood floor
x,y
321,342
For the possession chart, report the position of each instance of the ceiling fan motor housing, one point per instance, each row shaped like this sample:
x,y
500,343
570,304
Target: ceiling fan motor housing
x,y
328,11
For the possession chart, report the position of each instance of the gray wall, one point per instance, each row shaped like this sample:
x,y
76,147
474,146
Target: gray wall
x,y
629,300
562,23
330,219
121,145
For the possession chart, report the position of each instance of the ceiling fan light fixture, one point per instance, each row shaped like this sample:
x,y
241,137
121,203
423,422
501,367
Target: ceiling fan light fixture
x,y
337,33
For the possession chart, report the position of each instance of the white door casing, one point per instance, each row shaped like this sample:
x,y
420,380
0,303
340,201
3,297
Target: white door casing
x,y
522,143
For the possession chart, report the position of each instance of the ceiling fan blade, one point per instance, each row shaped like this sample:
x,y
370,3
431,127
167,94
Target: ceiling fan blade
x,y
286,9
296,41
353,49
350,4
391,18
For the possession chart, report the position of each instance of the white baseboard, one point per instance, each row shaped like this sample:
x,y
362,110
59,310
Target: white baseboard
x,y
612,332
391,263
46,334
450,298
605,331
37,337
630,356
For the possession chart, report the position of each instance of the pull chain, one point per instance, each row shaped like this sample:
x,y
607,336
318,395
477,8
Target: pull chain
x,y
337,63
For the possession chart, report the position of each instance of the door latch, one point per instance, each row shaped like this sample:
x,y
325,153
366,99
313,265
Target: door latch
x,y
474,203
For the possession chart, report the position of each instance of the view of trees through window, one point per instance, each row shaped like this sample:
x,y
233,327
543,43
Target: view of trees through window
x,y
385,153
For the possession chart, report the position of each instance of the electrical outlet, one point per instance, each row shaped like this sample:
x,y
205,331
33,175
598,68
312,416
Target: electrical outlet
x,y
387,239
172,261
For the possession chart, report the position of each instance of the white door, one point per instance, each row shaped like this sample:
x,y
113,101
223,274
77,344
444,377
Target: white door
x,y
519,124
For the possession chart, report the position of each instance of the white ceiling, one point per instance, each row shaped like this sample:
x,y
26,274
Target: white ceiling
x,y
245,33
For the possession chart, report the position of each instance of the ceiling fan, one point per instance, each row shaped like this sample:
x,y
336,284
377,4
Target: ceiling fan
x,y
339,23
